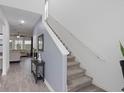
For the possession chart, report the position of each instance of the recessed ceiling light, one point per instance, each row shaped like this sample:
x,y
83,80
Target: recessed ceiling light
x,y
18,36
22,21
10,40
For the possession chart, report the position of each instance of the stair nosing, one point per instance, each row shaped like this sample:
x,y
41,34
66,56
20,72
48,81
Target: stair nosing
x,y
77,71
73,63
71,86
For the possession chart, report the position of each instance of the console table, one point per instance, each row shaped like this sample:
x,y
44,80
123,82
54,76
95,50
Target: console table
x,y
38,68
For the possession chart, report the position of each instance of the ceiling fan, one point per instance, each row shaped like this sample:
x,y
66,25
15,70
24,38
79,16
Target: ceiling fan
x,y
18,35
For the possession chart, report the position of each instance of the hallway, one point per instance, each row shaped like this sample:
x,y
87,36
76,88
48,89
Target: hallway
x,y
20,79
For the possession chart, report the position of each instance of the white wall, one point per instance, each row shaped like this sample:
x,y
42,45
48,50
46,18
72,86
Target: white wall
x,y
55,57
98,25
35,6
5,30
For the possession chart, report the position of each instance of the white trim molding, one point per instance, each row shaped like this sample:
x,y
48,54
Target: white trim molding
x,y
49,86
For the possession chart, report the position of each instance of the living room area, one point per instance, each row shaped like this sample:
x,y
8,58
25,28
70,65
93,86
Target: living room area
x,y
20,46
21,25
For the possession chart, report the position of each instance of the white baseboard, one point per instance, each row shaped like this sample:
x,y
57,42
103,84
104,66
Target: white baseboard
x,y
3,74
49,86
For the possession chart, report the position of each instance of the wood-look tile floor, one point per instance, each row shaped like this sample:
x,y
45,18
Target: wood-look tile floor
x,y
20,79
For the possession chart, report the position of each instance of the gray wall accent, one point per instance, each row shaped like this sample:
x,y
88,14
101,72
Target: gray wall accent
x,y
55,60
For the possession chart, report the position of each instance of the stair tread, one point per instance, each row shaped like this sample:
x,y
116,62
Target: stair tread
x,y
91,88
79,81
72,63
75,71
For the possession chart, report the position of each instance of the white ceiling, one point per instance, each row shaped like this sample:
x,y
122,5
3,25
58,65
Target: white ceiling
x,y
35,6
14,16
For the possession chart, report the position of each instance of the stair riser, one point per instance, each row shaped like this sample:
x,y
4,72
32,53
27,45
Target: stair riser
x,y
78,75
91,88
71,59
69,82
80,86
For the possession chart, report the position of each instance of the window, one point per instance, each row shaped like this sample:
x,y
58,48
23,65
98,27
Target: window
x,y
10,44
18,44
22,43
27,45
28,42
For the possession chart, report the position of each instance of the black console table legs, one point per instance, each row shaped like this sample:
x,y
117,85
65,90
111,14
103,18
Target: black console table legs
x,y
38,69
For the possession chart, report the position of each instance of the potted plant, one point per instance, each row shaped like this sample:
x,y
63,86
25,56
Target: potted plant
x,y
122,61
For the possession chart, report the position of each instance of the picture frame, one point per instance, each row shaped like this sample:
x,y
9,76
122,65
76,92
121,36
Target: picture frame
x,y
41,42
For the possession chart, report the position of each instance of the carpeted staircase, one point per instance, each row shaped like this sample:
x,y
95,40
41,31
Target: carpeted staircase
x,y
77,80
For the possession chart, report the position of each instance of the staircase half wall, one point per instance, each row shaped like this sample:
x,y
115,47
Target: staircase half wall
x,y
55,57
